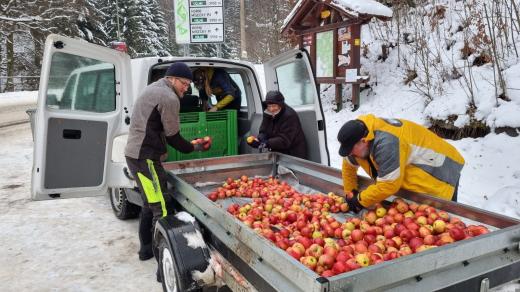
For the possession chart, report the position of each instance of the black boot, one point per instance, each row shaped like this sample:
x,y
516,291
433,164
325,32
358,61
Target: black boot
x,y
146,252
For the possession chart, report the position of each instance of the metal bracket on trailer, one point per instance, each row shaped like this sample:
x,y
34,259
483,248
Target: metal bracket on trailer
x,y
484,285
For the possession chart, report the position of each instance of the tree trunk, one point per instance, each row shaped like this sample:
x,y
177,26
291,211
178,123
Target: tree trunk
x,y
9,85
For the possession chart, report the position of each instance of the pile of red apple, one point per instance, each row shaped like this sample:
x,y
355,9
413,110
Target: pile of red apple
x,y
301,224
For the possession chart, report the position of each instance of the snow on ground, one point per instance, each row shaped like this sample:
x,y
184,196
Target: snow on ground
x,y
491,176
61,245
18,98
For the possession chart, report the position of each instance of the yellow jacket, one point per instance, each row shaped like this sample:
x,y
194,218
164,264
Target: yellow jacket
x,y
405,155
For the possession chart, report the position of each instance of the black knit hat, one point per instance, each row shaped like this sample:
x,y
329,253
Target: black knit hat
x,y
349,134
274,97
179,69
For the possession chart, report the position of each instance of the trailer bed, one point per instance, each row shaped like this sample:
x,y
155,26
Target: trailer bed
x,y
474,264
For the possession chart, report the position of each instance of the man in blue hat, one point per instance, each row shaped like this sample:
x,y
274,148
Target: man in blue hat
x,y
155,122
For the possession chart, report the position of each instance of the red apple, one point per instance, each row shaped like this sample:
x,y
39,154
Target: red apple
x,y
430,239
343,256
328,273
339,267
294,252
357,235
457,233
310,262
326,261
305,241
352,264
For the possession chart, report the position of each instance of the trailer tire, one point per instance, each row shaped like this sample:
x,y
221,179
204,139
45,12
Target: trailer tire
x,y
122,208
168,270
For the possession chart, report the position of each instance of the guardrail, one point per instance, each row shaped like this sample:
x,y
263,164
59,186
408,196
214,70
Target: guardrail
x,y
19,83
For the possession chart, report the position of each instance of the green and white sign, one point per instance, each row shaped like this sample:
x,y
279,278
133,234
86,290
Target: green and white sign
x,y
199,21
207,33
182,21
206,15
324,54
206,3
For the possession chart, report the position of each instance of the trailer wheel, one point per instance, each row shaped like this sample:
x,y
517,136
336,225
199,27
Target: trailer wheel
x,y
122,208
168,268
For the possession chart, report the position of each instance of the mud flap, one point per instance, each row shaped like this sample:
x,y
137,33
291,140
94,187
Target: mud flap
x,y
191,254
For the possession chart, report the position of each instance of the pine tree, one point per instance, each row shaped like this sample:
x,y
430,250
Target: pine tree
x,y
265,19
90,22
141,25
231,47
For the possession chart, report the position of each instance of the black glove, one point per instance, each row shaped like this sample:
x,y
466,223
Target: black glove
x,y
353,203
262,147
198,147
255,143
204,146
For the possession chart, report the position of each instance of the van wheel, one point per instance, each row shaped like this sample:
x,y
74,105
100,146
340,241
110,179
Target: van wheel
x,y
123,209
168,268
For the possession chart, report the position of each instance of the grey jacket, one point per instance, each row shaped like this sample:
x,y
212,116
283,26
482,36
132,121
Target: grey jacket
x,y
155,122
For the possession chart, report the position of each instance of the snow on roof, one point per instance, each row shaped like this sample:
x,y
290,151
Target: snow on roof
x,y
291,15
352,7
370,7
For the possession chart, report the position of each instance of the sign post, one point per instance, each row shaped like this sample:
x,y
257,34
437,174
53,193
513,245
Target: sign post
x,y
199,21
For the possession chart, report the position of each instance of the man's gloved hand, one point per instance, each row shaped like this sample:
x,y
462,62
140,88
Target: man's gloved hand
x,y
255,143
201,144
353,202
262,147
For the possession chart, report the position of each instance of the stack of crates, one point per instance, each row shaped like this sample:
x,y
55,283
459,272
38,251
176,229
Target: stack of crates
x,y
221,126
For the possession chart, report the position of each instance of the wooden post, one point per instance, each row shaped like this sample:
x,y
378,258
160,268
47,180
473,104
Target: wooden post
x,y
313,52
337,87
355,55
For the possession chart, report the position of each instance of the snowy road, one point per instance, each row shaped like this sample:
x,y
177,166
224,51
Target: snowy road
x,y
14,114
61,245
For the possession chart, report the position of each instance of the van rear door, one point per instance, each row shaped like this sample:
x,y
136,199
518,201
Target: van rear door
x,y
291,74
81,101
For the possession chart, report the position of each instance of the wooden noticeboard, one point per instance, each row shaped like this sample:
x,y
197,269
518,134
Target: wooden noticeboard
x,y
332,36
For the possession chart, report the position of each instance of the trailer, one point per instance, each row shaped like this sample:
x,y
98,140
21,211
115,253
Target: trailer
x,y
249,262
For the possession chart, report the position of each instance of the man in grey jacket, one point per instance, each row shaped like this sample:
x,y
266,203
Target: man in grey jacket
x,y
155,122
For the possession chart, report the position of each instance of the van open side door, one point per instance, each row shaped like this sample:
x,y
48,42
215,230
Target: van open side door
x,y
291,74
83,99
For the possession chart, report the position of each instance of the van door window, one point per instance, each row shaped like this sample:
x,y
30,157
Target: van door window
x,y
66,98
80,83
295,83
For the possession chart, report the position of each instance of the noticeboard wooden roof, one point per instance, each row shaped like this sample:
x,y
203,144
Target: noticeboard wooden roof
x,y
319,15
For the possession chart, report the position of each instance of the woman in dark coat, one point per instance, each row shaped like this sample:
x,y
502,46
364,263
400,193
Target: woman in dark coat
x,y
280,130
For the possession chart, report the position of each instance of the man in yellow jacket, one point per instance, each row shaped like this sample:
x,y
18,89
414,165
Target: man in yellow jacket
x,y
397,154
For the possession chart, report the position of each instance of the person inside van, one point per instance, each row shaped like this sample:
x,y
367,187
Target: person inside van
x,y
155,122
216,81
281,130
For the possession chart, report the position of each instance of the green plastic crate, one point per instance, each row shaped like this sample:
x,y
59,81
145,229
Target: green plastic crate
x,y
221,126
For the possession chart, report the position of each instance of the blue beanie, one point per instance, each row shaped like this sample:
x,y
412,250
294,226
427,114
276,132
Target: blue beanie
x,y
180,70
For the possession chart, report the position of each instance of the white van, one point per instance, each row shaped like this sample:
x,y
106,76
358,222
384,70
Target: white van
x,y
80,135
